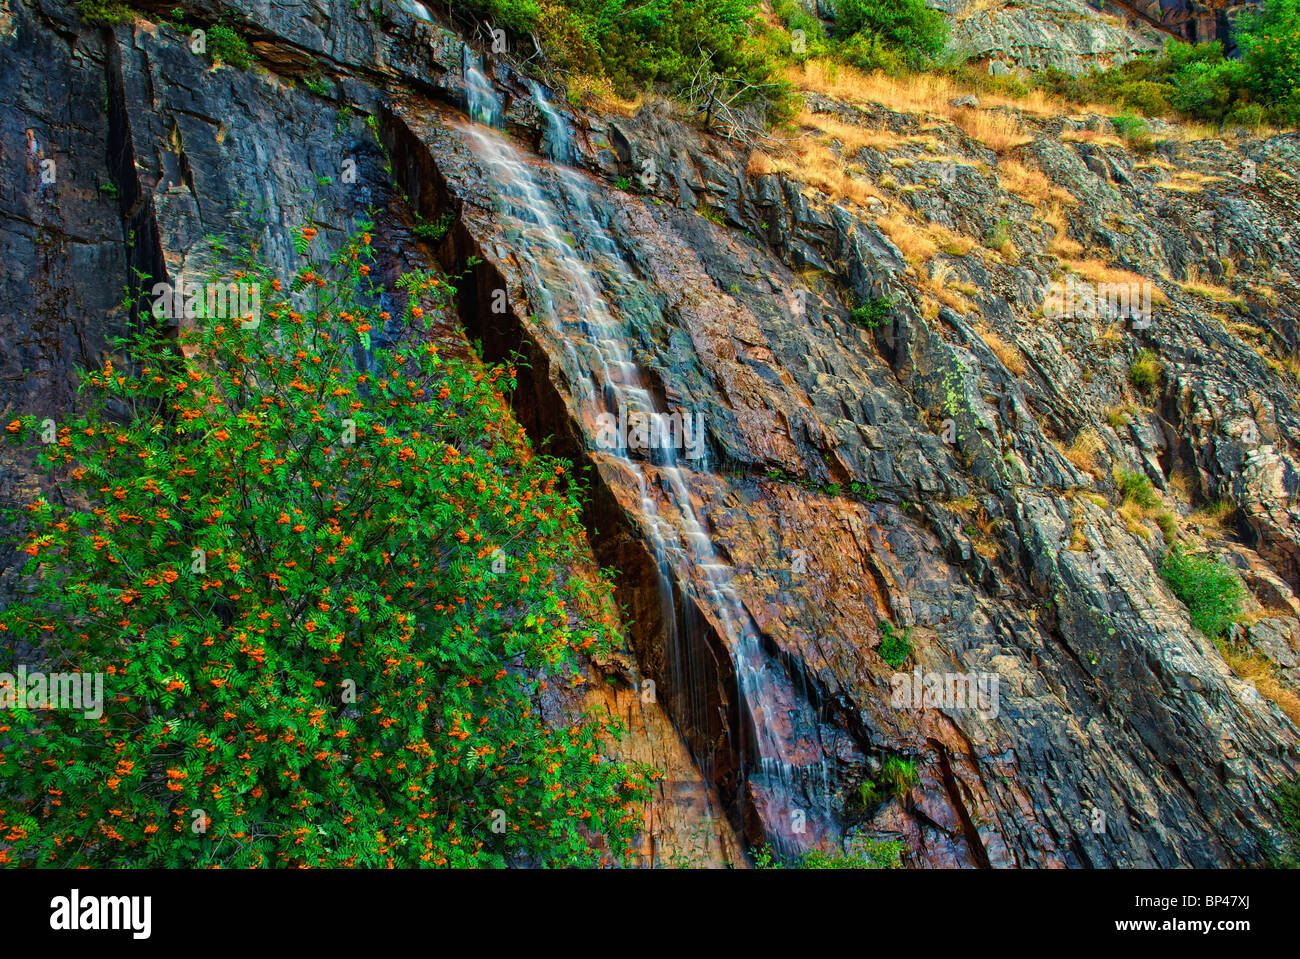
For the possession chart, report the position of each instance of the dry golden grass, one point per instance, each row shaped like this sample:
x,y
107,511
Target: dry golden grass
x,y
1109,334
1188,132
1004,351
1154,163
950,241
965,505
940,283
1135,520
598,92
852,137
1187,181
919,93
1265,293
914,241
1092,136
1257,669
1213,518
1096,271
1000,132
1200,285
1083,450
814,164
983,531
976,7
1031,184
759,164
1061,244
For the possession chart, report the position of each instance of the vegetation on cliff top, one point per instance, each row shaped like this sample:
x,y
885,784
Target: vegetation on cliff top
x,y
1198,81
319,585
649,43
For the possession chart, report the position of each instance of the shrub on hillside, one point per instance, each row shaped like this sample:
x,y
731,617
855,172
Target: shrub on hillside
x,y
908,26
319,585
1211,592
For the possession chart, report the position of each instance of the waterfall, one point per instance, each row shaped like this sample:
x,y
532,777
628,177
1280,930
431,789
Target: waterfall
x,y
564,247
481,101
557,144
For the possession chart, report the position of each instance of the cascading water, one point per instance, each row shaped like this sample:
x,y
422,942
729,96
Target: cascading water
x,y
481,101
785,767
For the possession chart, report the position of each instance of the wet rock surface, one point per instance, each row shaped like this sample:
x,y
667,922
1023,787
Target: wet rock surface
x,y
852,483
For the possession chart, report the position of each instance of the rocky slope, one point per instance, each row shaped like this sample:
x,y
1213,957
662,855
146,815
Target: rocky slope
x,y
947,473
1076,35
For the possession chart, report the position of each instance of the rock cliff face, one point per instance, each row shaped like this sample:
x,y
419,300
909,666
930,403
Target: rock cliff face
x,y
941,469
1076,35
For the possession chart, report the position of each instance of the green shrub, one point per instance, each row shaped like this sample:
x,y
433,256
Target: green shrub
x,y
1269,38
642,43
1145,372
1135,132
871,314
435,231
870,854
897,776
868,52
1135,488
1168,524
280,551
103,11
907,25
1287,797
1199,82
227,46
1212,593
894,648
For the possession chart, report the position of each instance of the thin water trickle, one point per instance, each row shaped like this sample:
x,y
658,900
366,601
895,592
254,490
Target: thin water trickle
x,y
551,235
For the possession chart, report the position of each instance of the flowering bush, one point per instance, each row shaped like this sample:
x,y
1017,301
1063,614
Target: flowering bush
x,y
324,587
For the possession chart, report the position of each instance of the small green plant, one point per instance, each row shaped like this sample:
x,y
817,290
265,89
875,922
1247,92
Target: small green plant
x,y
897,776
710,213
908,30
1287,797
998,236
435,231
1135,488
869,854
894,648
316,84
1136,133
228,47
871,314
864,491
624,184
1211,591
1145,372
103,11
